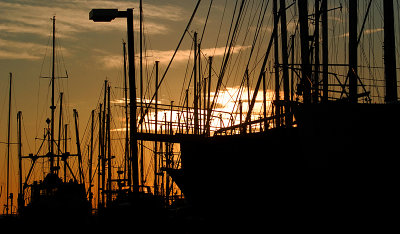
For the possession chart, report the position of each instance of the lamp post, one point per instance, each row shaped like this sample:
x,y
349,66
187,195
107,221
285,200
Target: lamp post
x,y
107,15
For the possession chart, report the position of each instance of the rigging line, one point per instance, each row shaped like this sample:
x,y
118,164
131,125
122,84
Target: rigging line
x,y
205,24
38,92
239,56
220,26
185,77
224,64
170,62
230,30
258,28
232,43
149,80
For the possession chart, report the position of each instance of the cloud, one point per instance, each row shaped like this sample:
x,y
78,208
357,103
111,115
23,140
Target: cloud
x,y
31,19
31,16
366,32
164,56
111,62
20,50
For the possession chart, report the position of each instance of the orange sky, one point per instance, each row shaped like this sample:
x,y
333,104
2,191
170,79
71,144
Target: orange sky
x,y
92,52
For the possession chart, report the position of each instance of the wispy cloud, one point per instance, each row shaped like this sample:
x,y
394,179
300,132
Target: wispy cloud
x,y
366,32
20,50
164,56
183,55
31,19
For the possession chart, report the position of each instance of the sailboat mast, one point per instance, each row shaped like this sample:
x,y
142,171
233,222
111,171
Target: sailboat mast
x,y
276,61
285,70
52,107
315,94
389,52
353,51
156,132
141,88
127,160
21,201
132,103
108,141
324,17
91,159
59,131
195,104
8,144
305,52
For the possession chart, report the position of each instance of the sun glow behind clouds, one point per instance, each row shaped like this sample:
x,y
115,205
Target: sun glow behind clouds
x,y
226,112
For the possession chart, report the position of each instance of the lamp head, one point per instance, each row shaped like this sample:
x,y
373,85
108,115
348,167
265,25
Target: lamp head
x,y
103,15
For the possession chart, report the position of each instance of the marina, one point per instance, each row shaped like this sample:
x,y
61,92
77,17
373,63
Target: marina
x,y
261,115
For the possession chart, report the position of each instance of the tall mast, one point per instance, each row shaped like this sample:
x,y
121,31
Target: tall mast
x,y
276,61
78,147
91,159
141,88
353,51
316,53
155,132
195,104
8,144
210,59
52,107
389,52
132,102
305,52
100,199
103,145
127,160
65,150
285,69
59,131
108,137
324,17
21,190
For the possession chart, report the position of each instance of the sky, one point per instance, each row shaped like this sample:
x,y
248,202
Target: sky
x,y
91,52
88,52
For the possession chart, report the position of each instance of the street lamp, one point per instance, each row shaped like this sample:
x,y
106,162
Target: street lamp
x,y
107,15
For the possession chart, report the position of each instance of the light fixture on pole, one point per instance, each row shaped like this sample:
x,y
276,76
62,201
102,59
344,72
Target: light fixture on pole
x,y
107,15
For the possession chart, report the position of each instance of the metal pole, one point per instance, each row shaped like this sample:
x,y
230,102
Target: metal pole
x,y
52,107
187,111
155,184
141,89
132,102
324,7
285,70
108,137
316,53
65,150
8,143
78,146
21,201
265,101
195,102
353,51
59,131
276,51
91,160
210,59
390,52
305,53
127,161
103,145
99,163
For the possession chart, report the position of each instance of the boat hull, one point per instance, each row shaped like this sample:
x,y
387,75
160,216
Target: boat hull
x,y
338,160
